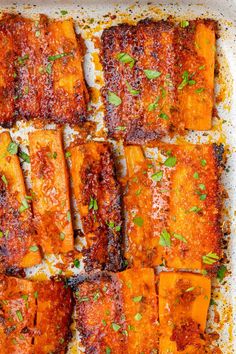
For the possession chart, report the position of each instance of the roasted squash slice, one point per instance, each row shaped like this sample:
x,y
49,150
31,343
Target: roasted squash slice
x,y
97,196
18,244
182,325
51,203
117,313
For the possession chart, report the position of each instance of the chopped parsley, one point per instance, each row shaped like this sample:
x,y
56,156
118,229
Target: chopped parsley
x,y
152,74
93,204
114,99
12,148
186,81
58,56
170,161
24,205
137,298
25,157
131,90
180,237
210,258
126,59
34,248
221,272
157,176
184,24
19,315
138,221
115,326
121,128
138,316
4,179
163,116
165,240
76,263
153,106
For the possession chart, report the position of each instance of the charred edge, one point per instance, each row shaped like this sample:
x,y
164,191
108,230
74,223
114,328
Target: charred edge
x,y
95,276
219,154
15,272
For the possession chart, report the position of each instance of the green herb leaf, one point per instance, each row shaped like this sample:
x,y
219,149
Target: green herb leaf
x,y
138,221
195,209
62,236
165,240
68,154
138,316
104,323
190,289
115,327
12,148
22,60
64,12
221,272
154,105
108,350
37,33
25,157
114,99
152,74
126,59
24,205
163,116
202,67
137,298
121,128
4,179
180,237
184,24
210,258
196,175
171,161
138,191
76,263
34,248
203,197
199,90
35,294
202,186
58,56
68,216
93,204
19,315
203,162
131,90
157,177
49,69
212,302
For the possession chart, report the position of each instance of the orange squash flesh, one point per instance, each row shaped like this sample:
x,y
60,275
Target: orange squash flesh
x,y
97,195
69,100
36,316
197,58
177,206
17,233
51,203
118,312
182,324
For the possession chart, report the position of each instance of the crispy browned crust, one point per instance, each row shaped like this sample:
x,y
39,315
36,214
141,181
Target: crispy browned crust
x,y
106,312
7,58
95,179
162,46
17,232
35,316
32,85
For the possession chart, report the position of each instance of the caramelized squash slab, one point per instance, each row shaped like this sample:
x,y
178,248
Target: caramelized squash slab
x,y
195,73
117,313
97,196
70,97
35,316
134,61
7,58
18,247
184,299
51,202
159,78
173,207
32,80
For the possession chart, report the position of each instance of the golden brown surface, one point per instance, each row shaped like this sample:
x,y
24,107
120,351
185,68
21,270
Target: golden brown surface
x,y
18,246
35,316
97,196
162,76
184,299
41,74
7,85
118,312
50,185
173,213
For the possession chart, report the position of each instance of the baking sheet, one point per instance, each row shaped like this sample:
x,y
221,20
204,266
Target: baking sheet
x,y
91,17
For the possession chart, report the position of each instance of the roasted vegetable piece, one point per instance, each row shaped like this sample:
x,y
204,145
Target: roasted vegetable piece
x,y
51,203
173,207
36,316
117,313
54,311
138,64
33,87
182,325
194,209
97,196
195,73
18,247
7,74
146,191
69,101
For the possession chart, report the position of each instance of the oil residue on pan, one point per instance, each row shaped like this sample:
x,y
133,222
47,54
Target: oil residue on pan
x,y
91,19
